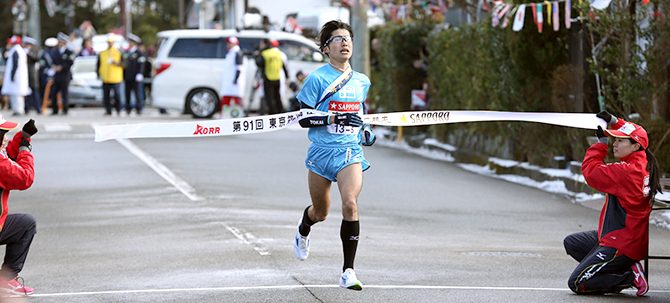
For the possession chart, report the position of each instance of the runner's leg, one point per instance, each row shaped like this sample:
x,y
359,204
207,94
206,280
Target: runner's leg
x,y
319,191
350,183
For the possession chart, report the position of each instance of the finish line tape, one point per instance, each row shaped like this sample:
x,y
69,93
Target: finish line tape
x,y
269,123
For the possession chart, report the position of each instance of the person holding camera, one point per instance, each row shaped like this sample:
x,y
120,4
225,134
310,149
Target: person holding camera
x,y
609,258
16,230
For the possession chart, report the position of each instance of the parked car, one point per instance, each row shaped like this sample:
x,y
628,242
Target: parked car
x,y
188,67
85,87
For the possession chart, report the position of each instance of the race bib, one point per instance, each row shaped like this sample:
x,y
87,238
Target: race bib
x,y
336,107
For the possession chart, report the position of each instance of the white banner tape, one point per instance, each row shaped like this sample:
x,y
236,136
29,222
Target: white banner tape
x,y
261,124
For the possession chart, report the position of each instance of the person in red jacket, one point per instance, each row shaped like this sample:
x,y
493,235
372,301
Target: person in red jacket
x,y
16,230
609,257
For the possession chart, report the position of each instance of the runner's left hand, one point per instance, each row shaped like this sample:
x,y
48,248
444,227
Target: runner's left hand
x,y
369,137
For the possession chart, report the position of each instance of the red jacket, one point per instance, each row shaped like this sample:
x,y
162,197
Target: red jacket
x,y
14,174
624,218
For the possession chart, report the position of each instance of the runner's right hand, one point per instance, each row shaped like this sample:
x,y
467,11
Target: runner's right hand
x,y
348,119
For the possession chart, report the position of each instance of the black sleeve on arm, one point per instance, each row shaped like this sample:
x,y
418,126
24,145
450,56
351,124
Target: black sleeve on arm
x,y
260,61
15,64
285,71
237,76
312,121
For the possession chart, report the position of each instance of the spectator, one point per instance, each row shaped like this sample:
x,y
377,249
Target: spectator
x,y
231,86
63,58
270,63
133,74
295,87
33,101
15,83
110,71
609,258
46,72
16,230
87,48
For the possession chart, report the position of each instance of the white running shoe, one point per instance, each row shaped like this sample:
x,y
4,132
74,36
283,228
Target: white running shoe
x,y
349,280
301,245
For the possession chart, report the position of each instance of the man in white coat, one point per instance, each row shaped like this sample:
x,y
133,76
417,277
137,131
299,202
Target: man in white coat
x,y
15,83
232,80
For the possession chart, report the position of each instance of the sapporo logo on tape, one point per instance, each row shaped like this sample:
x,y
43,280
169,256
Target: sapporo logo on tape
x,y
429,117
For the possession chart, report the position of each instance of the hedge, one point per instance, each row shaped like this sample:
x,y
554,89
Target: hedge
x,y
477,67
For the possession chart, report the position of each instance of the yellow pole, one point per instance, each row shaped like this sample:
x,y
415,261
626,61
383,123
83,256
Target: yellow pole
x,y
399,137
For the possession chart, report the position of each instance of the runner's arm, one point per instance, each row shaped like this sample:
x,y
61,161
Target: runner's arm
x,y
313,121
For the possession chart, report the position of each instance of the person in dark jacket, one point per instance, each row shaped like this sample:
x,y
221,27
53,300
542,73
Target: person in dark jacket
x,y
34,100
63,58
609,258
17,172
133,74
46,72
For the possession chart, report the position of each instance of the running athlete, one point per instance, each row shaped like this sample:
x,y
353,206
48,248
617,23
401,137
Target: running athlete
x,y
609,258
335,154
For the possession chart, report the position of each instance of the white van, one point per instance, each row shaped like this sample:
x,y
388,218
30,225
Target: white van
x,y
188,67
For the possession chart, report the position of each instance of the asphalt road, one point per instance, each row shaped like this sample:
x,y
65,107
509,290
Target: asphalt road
x,y
212,220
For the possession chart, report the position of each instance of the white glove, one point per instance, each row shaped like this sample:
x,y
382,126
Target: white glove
x,y
139,78
51,72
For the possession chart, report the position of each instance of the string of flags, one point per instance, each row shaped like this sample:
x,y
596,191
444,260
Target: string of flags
x,y
502,13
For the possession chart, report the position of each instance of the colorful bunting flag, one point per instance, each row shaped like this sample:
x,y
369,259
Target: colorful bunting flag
x,y
519,18
568,17
557,23
540,18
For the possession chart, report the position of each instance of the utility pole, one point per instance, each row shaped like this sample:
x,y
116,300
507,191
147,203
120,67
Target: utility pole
x,y
181,13
34,20
129,18
578,62
221,8
122,16
359,24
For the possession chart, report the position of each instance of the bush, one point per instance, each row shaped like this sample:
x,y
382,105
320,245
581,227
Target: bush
x,y
396,77
477,67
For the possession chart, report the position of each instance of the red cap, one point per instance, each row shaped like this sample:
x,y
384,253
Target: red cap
x,y
233,40
274,43
14,40
7,125
630,130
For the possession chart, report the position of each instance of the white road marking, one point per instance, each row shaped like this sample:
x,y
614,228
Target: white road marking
x,y
57,127
250,239
288,287
161,170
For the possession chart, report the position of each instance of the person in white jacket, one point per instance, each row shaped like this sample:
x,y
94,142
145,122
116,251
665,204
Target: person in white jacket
x,y
233,76
15,83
